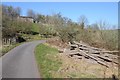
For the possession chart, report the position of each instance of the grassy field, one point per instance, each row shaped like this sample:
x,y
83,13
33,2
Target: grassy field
x,y
48,63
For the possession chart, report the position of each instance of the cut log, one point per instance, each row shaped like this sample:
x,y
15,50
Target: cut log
x,y
78,57
108,51
96,59
73,47
112,56
87,46
107,59
83,49
90,56
60,50
95,52
89,50
93,48
102,63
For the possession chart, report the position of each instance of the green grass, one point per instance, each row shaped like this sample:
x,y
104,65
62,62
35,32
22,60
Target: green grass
x,y
29,37
47,61
35,27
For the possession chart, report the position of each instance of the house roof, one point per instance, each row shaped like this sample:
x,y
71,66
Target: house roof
x,y
25,17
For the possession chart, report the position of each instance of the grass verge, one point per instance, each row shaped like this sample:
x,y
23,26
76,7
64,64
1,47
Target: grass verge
x,y
5,49
48,63
28,38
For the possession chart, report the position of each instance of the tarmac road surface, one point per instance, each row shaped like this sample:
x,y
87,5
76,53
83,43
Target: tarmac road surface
x,y
20,62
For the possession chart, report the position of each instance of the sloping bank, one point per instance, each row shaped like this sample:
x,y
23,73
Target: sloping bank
x,y
47,60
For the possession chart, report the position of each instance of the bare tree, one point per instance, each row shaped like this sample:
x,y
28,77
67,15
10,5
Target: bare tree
x,y
10,11
31,13
82,21
103,25
40,18
18,11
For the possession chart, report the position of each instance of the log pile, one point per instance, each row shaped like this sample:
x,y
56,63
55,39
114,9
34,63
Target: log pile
x,y
101,56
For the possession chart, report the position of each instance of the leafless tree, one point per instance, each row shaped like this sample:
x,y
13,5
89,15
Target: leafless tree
x,y
82,21
18,11
31,13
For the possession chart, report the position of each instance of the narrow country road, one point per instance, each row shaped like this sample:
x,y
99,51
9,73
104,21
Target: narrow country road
x,y
20,62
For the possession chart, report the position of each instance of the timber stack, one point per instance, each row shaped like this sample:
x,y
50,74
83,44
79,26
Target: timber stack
x,y
101,56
